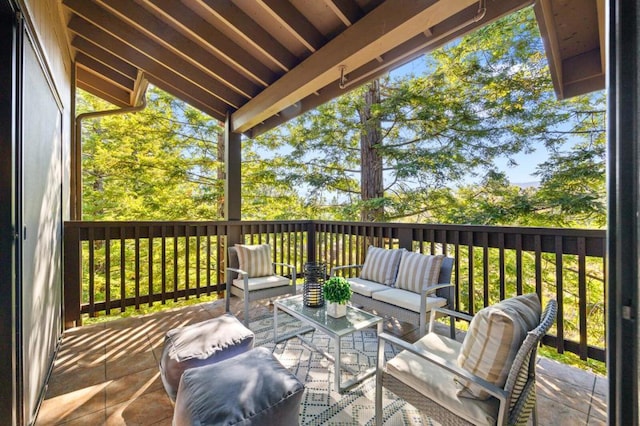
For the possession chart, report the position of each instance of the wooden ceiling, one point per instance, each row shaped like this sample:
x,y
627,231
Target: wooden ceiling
x,y
261,61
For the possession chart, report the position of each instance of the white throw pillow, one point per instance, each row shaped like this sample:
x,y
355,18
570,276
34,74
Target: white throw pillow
x,y
417,270
381,265
493,340
255,259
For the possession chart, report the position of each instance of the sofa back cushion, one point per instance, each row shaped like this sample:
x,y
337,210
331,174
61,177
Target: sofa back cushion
x,y
255,259
493,339
417,270
381,265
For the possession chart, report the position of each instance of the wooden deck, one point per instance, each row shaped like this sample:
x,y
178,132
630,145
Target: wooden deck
x,y
108,374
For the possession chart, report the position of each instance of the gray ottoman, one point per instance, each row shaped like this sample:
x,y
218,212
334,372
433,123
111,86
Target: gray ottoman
x,y
201,344
250,389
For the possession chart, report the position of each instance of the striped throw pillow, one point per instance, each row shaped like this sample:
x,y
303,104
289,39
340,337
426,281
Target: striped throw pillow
x,y
493,340
381,265
255,259
417,270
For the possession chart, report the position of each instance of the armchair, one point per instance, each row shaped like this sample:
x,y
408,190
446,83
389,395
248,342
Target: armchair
x,y
251,275
428,375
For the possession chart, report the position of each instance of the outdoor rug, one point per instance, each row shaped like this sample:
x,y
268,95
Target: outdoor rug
x,y
321,404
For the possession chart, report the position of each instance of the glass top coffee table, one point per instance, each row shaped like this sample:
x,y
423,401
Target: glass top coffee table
x,y
317,319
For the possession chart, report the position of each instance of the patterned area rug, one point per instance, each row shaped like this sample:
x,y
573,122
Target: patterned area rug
x,y
321,404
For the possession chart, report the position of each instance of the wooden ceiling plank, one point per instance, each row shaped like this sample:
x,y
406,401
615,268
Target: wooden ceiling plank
x,y
155,28
108,73
104,57
346,10
102,85
90,17
602,35
143,62
106,96
546,22
187,94
379,31
295,22
251,32
220,43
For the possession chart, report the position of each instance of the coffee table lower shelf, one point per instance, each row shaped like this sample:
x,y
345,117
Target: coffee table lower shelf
x,y
317,319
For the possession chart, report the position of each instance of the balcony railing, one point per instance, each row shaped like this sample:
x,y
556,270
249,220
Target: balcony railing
x,y
114,265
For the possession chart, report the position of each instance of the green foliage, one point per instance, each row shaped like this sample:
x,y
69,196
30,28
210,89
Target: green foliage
x,y
337,290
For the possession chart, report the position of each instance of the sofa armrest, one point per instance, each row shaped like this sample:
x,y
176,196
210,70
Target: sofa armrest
x,y
428,289
438,362
338,268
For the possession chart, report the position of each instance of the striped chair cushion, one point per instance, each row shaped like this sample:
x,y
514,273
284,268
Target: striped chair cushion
x,y
381,265
255,259
417,270
493,339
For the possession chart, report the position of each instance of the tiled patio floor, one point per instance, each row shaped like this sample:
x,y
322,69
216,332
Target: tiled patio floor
x,y
108,374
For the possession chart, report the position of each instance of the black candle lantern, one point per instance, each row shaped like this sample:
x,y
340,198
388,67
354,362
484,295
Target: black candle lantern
x,y
314,275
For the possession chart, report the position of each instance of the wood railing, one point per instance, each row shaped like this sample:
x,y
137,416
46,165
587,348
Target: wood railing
x,y
115,265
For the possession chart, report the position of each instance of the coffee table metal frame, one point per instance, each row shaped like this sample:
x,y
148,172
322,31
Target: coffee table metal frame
x,y
317,318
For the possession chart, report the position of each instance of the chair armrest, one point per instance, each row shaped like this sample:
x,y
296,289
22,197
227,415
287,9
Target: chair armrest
x,y
291,268
438,361
338,268
238,271
452,313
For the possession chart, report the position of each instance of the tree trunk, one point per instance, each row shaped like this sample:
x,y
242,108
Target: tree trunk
x,y
371,185
221,176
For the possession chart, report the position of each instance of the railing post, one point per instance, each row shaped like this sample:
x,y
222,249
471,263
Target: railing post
x,y
72,277
311,241
405,238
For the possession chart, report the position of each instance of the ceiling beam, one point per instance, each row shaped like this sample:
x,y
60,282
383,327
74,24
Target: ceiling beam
x,y
144,21
105,96
544,15
151,67
376,33
252,33
346,10
440,34
107,90
295,22
108,73
92,19
99,54
216,40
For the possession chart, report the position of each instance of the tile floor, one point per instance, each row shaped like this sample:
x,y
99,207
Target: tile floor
x,y
108,374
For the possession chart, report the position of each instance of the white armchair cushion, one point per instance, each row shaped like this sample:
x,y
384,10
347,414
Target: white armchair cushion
x,y
381,265
437,383
407,299
417,270
365,287
255,259
493,339
260,283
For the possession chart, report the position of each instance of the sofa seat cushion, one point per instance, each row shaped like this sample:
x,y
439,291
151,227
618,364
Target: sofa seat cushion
x,y
437,383
260,283
494,337
407,299
365,287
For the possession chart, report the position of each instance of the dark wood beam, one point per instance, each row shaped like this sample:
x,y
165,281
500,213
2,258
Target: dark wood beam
x,y
99,54
108,73
106,95
90,17
143,62
346,10
144,21
375,34
295,22
252,33
216,40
